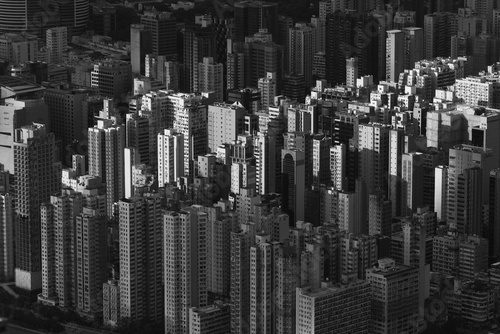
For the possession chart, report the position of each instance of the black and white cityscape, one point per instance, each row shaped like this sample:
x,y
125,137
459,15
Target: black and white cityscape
x,y
250,166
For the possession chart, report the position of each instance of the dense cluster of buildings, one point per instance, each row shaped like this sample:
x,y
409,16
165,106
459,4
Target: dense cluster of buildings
x,y
250,173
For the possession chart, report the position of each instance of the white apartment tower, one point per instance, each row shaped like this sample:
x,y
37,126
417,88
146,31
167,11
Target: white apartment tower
x,y
225,123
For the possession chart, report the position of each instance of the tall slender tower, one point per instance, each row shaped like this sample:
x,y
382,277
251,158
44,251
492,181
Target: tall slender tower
x,y
106,144
37,177
185,266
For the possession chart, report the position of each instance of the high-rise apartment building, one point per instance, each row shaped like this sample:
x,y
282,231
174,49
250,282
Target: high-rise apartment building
x,y
185,266
268,90
394,294
37,177
225,123
141,254
334,309
6,237
106,143
170,156
210,78
57,43
395,54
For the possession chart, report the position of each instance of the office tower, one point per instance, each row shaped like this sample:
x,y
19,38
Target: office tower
x,y
373,142
37,176
268,90
300,52
17,15
294,181
379,215
6,237
263,256
438,29
170,157
319,310
494,214
57,43
262,56
111,302
111,78
351,71
394,291
58,248
413,46
106,143
338,37
68,119
140,46
162,27
472,256
190,119
411,183
185,266
395,54
210,78
141,247
213,319
241,240
468,178
225,123
251,16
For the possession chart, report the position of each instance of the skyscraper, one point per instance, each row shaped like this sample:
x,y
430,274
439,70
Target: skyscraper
x,y
268,90
294,181
300,51
37,177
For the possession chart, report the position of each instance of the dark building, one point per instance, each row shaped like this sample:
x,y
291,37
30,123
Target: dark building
x,y
250,16
162,27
